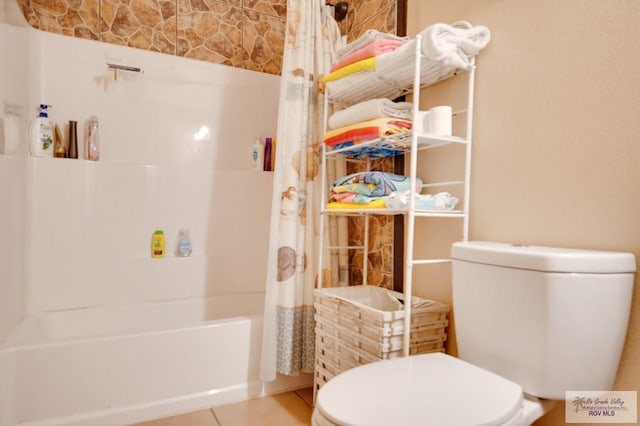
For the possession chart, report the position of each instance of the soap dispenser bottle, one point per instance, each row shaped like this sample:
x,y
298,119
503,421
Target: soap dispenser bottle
x,y
41,134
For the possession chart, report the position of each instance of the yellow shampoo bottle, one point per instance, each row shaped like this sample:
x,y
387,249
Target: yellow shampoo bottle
x,y
157,244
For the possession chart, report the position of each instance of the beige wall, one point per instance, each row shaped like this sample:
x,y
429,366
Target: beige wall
x,y
556,155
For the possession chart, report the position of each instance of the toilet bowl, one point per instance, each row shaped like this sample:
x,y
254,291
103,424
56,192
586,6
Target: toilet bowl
x,y
428,389
517,311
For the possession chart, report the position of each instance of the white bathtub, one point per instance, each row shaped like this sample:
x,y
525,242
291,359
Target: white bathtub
x,y
120,365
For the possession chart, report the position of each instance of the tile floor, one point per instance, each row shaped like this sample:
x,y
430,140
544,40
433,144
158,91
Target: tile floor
x,y
284,409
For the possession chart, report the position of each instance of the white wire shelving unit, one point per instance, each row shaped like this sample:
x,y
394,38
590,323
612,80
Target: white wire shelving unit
x,y
413,72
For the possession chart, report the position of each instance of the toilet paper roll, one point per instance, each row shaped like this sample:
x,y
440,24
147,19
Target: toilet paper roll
x,y
440,120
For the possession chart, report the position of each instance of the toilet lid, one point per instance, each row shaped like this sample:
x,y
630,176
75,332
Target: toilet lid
x,y
433,388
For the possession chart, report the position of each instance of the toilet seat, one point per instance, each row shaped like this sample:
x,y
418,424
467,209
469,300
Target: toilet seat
x,y
429,389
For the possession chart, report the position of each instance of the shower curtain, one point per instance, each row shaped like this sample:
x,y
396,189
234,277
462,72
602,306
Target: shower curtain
x,y
288,337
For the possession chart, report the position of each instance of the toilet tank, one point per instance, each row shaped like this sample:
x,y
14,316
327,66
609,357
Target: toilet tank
x,y
549,319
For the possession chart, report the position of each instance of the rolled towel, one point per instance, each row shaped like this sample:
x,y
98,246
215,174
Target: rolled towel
x,y
454,44
369,110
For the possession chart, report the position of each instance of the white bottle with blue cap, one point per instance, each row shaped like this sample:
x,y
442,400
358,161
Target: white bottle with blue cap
x,y
257,154
41,134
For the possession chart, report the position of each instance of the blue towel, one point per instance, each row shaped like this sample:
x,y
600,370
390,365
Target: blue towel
x,y
374,184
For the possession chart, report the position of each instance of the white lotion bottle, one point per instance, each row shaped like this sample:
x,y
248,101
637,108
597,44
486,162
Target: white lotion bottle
x,y
257,154
41,134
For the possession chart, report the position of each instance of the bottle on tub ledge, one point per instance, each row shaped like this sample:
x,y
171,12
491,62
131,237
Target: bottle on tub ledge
x,y
92,140
59,146
157,244
273,155
41,134
72,149
268,151
183,243
257,155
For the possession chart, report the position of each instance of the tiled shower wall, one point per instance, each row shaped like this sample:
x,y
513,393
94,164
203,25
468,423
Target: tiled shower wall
x,y
240,33
368,14
379,15
245,34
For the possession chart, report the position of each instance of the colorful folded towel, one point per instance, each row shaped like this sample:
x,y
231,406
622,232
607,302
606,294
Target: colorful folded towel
x,y
375,48
368,64
369,190
352,197
376,204
366,131
366,38
374,184
353,188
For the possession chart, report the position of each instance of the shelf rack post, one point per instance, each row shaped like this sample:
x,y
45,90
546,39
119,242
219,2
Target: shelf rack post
x,y
467,163
413,169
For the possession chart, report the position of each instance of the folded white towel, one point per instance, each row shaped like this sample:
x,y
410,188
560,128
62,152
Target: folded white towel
x,y
369,110
454,44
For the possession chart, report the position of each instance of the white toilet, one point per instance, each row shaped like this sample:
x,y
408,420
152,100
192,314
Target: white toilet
x,y
531,322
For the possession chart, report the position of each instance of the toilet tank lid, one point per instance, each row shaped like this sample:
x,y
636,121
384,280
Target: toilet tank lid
x,y
546,259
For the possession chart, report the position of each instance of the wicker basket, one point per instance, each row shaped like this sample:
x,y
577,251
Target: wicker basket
x,y
362,324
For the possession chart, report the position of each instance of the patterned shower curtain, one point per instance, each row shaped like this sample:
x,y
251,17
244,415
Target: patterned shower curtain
x,y
288,337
